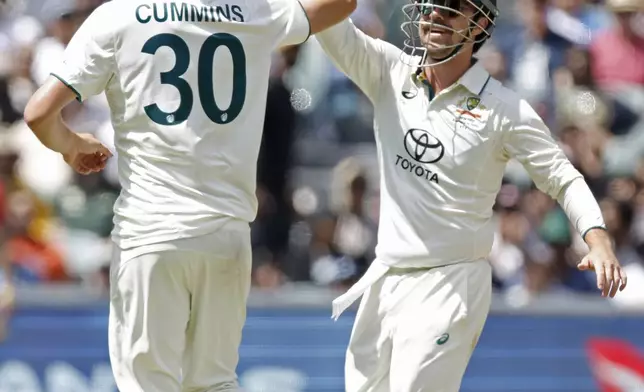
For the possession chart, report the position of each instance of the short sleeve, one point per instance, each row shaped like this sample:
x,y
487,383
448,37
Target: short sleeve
x,y
528,140
88,62
292,21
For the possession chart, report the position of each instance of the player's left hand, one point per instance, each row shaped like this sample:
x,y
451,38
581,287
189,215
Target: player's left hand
x,y
86,154
610,275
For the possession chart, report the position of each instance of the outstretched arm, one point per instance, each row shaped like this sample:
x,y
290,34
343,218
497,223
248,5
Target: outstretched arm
x,y
529,141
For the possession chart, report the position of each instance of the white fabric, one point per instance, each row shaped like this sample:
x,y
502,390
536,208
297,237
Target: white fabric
x,y
579,203
176,316
179,178
440,164
375,272
415,331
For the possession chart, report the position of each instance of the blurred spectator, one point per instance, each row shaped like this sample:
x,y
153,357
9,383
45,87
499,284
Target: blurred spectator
x,y
85,213
494,61
61,19
33,157
329,267
578,101
355,233
267,274
344,239
534,52
618,54
274,218
577,20
33,258
18,33
507,259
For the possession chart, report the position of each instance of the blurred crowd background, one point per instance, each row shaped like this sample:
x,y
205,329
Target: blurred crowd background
x,y
580,63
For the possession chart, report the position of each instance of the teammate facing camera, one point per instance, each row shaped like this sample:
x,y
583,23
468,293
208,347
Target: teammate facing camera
x,y
445,130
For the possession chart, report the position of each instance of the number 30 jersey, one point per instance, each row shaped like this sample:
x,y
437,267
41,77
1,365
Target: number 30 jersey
x,y
186,82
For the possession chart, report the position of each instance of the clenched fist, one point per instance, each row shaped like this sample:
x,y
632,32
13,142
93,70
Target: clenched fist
x,y
86,154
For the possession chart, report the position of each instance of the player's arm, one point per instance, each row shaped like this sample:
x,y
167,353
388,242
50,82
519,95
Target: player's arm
x,y
43,116
88,64
296,20
362,58
528,140
323,14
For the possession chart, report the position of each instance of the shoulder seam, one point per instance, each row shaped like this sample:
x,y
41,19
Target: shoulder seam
x,y
307,19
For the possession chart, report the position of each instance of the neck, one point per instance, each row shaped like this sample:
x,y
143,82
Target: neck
x,y
444,75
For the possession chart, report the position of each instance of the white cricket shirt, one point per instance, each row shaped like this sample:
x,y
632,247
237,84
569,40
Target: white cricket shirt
x,y
186,83
441,162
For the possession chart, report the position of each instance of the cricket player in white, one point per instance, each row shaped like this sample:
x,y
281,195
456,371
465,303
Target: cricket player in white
x,y
445,131
187,84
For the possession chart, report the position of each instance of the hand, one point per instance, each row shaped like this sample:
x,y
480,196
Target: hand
x,y
610,276
86,154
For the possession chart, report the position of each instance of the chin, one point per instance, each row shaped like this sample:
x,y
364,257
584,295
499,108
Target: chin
x,y
438,53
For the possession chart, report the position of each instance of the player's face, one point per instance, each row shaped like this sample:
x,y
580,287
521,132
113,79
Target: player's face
x,y
444,24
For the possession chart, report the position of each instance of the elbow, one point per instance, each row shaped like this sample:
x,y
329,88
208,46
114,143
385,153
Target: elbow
x,y
34,115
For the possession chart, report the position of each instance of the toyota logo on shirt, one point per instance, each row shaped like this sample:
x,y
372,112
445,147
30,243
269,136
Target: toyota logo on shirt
x,y
423,147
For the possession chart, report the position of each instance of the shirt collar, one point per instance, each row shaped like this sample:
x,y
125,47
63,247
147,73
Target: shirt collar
x,y
475,78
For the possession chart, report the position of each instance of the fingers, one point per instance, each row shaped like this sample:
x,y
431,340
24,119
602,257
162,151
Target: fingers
x,y
90,163
600,270
611,279
89,156
104,151
83,169
585,265
608,280
623,278
91,145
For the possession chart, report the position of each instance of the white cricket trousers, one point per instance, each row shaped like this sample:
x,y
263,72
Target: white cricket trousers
x,y
176,317
415,330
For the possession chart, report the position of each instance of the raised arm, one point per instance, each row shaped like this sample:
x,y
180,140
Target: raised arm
x,y
362,58
323,14
296,20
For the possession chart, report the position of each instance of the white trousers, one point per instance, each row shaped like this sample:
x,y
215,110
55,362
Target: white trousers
x,y
176,317
416,329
